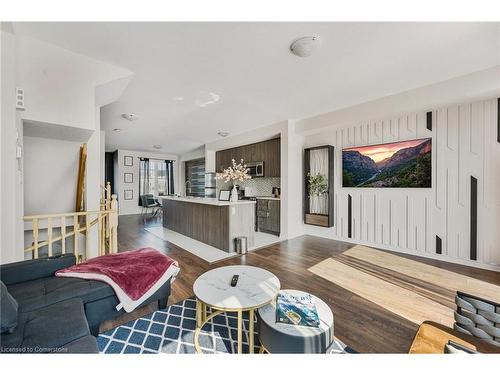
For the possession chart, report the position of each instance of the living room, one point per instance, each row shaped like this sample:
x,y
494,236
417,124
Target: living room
x,y
259,188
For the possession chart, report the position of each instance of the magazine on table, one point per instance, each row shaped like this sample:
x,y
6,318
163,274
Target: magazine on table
x,y
296,310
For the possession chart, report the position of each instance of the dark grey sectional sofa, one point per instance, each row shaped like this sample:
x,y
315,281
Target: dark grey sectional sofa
x,y
57,314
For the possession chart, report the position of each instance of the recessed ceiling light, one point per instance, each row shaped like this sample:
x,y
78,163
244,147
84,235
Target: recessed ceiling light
x,y
130,116
157,146
179,98
306,46
117,130
223,133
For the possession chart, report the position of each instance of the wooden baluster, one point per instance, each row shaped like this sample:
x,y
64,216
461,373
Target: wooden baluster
x,y
49,236
108,195
87,235
76,225
113,220
63,235
102,220
35,238
107,207
100,233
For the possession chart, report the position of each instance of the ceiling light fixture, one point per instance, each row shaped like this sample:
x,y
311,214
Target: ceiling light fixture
x,y
130,116
117,130
223,133
306,46
157,146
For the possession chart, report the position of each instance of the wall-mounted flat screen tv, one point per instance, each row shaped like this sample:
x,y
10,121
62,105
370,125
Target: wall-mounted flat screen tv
x,y
405,164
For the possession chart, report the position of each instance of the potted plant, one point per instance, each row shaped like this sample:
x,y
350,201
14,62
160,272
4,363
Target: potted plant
x,y
318,193
234,173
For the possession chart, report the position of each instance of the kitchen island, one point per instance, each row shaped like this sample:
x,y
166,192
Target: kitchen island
x,y
208,220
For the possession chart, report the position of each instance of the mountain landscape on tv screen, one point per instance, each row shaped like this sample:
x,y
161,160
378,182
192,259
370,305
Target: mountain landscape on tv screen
x,y
407,165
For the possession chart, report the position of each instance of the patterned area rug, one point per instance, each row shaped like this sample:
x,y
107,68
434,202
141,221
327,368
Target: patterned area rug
x,y
172,331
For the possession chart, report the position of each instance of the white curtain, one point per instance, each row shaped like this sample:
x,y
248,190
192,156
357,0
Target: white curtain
x,y
318,164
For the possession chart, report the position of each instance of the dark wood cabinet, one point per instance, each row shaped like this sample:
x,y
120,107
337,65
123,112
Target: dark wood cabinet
x,y
268,151
272,157
268,216
223,159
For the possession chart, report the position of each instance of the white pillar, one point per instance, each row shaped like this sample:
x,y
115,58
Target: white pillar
x,y
11,193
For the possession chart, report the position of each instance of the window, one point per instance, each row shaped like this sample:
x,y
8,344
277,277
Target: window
x,y
156,177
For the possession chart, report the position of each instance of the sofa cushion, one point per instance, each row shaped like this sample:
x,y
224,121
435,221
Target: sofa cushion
x,y
8,312
26,270
87,344
38,293
50,328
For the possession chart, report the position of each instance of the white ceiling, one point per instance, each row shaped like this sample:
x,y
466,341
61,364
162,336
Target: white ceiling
x,y
257,81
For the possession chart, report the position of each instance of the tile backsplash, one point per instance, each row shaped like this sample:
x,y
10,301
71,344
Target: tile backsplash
x,y
262,186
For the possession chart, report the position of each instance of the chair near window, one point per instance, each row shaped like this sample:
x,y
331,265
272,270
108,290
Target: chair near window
x,y
149,203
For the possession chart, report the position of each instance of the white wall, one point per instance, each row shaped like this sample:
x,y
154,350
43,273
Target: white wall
x,y
192,155
61,102
60,85
475,86
11,133
51,170
407,220
127,207
102,156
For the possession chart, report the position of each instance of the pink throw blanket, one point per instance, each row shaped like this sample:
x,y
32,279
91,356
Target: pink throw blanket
x,y
134,275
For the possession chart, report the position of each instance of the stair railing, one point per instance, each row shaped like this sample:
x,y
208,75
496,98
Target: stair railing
x,y
106,220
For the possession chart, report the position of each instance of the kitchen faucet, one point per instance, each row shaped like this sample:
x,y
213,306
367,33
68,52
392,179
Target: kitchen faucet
x,y
188,182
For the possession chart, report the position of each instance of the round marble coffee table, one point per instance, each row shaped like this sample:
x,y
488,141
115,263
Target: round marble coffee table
x,y
288,338
256,288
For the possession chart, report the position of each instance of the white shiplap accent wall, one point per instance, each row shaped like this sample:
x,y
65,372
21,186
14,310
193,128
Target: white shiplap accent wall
x,y
464,143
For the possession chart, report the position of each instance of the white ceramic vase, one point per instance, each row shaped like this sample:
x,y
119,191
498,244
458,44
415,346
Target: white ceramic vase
x,y
234,194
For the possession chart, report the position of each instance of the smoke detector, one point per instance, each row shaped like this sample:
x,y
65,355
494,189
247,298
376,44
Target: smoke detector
x,y
130,116
306,46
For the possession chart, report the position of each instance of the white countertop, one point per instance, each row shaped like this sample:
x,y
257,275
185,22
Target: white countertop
x,y
211,201
270,198
256,287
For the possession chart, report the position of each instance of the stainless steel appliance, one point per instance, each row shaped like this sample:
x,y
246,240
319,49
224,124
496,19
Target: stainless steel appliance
x,y
256,168
210,187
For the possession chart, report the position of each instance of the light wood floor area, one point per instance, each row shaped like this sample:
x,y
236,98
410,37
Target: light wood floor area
x,y
377,297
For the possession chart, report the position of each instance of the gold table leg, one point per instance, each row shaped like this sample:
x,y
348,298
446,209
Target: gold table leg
x,y
199,313
240,332
202,318
250,331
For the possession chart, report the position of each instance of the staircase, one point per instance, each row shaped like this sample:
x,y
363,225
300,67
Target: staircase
x,y
72,232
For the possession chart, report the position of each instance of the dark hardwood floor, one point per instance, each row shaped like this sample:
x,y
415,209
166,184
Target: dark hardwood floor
x,y
363,325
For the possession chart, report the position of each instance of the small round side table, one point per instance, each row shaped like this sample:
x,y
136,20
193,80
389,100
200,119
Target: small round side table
x,y
288,338
256,287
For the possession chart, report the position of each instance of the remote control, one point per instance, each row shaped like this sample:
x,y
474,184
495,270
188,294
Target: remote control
x,y
234,280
